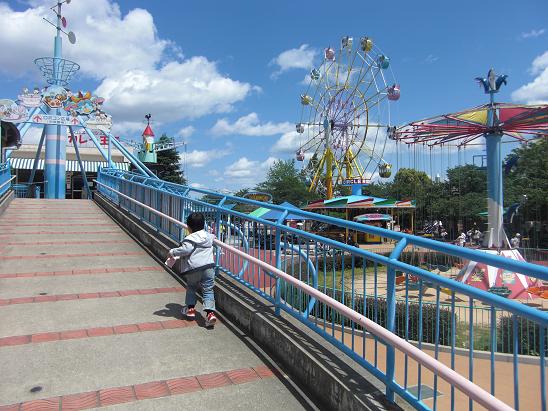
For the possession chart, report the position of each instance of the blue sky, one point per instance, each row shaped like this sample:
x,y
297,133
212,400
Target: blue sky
x,y
226,76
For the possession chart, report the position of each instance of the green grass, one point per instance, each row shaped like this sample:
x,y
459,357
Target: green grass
x,y
482,341
333,278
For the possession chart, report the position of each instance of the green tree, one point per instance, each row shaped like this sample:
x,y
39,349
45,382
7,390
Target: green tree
x,y
168,163
285,183
526,182
461,198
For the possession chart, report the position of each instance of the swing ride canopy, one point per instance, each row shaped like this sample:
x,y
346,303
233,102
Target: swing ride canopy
x,y
515,121
485,277
360,201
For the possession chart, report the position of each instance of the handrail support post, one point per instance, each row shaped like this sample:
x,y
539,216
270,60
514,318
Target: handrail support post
x,y
391,317
278,226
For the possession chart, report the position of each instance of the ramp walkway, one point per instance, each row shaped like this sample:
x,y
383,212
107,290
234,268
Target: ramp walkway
x,y
89,319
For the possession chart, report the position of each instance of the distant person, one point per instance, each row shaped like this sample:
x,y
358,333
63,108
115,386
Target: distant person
x,y
476,235
196,251
443,235
515,241
461,239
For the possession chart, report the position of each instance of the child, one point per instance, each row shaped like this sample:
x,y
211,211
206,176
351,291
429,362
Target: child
x,y
196,251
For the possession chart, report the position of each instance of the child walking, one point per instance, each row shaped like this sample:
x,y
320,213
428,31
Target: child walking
x,y
196,251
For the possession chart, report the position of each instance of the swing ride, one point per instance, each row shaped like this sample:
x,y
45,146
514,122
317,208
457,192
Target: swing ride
x,y
345,116
494,122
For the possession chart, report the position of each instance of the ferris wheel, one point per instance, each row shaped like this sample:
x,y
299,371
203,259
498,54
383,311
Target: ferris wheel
x,y
345,116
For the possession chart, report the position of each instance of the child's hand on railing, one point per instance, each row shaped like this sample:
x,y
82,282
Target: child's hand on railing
x,y
171,260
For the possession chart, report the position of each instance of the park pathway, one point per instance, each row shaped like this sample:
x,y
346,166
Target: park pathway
x,y
89,319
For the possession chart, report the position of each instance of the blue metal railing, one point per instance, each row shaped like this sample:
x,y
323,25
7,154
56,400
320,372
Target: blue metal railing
x,y
5,177
365,282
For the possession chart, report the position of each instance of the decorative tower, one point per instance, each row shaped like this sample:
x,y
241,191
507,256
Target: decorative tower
x,y
58,72
147,154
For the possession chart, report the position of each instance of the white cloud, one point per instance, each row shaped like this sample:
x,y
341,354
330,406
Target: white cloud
x,y
197,185
249,125
242,168
178,90
288,143
186,132
199,158
139,71
248,172
430,59
535,92
301,58
107,42
533,33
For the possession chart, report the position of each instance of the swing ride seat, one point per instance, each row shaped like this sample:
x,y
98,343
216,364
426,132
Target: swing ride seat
x,y
500,291
540,291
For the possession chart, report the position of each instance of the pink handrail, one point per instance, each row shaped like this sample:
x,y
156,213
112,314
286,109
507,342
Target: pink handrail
x,y
467,387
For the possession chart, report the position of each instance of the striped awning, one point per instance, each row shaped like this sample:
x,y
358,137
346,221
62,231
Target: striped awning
x,y
72,165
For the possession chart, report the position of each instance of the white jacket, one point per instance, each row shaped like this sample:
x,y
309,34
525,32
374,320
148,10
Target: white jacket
x,y
196,251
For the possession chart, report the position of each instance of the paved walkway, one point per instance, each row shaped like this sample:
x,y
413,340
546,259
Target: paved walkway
x,y
88,319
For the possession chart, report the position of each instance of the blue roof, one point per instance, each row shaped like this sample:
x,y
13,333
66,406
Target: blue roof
x,y
275,214
353,199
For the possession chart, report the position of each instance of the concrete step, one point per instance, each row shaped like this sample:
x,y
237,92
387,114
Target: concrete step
x,y
77,284
41,250
25,319
60,263
47,236
265,394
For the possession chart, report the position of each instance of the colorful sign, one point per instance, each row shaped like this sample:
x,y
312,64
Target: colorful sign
x,y
407,203
55,96
258,196
373,217
55,120
83,104
83,140
100,121
30,100
12,112
352,181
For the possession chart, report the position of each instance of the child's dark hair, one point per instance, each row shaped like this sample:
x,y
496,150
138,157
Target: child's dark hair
x,y
195,221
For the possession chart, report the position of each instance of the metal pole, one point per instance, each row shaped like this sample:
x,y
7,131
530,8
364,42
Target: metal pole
x,y
55,158
37,157
493,143
329,161
391,318
82,169
279,260
109,150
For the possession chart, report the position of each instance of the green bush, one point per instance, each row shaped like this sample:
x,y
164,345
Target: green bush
x,y
528,336
375,309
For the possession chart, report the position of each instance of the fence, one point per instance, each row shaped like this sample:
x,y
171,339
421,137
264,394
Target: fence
x,y
311,265
5,178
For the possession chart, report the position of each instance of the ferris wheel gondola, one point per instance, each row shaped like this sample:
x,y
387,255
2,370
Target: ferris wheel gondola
x,y
345,115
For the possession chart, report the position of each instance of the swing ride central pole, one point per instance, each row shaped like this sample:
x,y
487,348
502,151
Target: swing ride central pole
x,y
493,143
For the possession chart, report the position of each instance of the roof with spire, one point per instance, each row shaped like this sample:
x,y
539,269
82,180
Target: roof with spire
x,y
148,131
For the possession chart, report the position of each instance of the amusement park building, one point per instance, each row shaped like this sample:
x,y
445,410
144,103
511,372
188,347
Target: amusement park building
x,y
380,212
22,161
